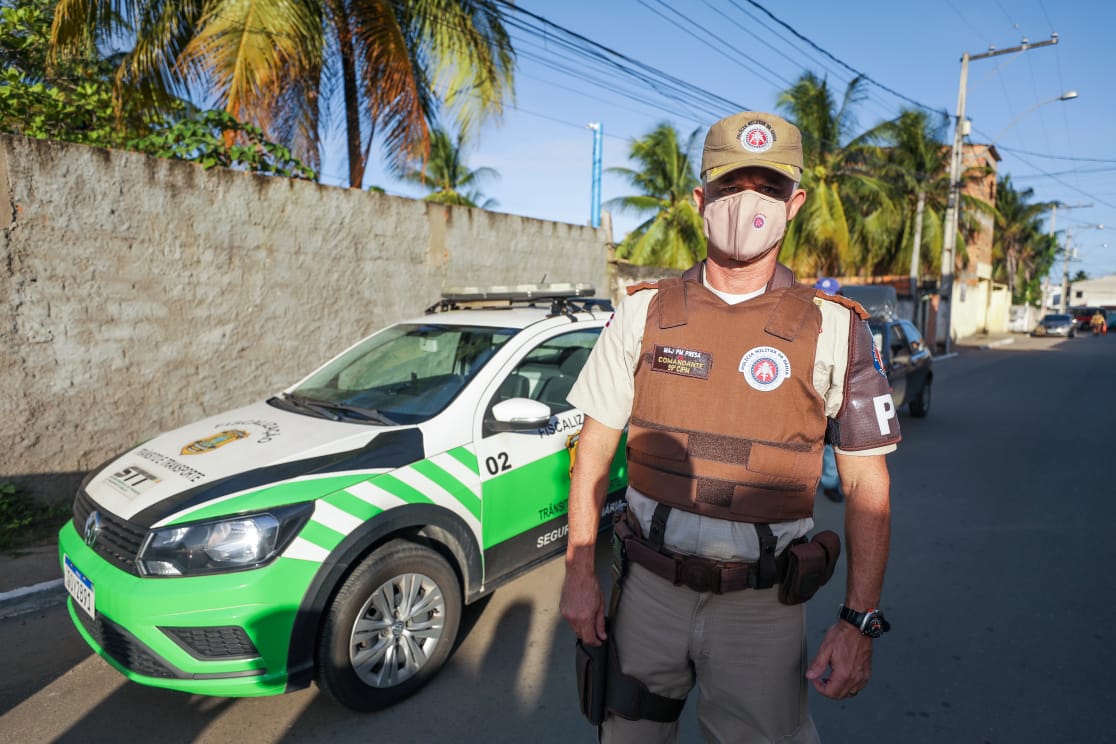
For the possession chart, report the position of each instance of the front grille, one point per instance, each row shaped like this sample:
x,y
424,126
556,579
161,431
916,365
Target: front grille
x,y
125,649
118,542
209,644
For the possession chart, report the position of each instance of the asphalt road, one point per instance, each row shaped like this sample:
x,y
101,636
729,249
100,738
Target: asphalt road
x,y
998,592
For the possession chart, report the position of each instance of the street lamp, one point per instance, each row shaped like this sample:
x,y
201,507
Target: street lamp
x,y
1069,95
953,207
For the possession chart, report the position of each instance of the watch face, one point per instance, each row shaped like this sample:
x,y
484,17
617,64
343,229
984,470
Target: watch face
x,y
873,626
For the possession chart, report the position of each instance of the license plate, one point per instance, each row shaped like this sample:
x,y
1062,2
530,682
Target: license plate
x,y
79,587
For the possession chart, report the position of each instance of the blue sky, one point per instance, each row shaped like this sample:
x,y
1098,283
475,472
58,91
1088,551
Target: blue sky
x,y
1065,151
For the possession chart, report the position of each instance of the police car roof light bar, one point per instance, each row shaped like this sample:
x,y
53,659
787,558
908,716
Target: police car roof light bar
x,y
565,299
517,292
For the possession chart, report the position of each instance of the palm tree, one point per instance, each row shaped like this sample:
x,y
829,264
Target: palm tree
x,y
844,201
1018,239
914,164
673,235
447,176
284,66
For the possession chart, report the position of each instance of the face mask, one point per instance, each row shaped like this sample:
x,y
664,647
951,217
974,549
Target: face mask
x,y
744,226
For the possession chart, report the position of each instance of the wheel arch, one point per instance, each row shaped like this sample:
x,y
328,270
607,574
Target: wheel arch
x,y
425,524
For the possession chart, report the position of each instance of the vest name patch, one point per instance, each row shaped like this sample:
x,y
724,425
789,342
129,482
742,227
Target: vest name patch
x,y
684,362
765,368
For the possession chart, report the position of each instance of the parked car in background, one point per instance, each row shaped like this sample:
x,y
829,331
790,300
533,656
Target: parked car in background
x,y
1057,324
907,362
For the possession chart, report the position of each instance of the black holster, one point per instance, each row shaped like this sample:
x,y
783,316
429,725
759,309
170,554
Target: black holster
x,y
592,672
603,689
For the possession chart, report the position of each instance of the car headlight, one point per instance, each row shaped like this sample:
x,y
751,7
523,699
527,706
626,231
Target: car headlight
x,y
230,544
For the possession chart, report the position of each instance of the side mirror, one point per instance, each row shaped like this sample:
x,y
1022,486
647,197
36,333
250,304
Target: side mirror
x,y
519,414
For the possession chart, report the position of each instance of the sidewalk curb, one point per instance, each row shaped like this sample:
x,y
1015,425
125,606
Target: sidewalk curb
x,y
32,598
999,342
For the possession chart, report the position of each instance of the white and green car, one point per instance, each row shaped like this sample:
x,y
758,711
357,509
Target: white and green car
x,y
334,531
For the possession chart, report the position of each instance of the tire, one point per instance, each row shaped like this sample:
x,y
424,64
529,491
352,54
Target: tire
x,y
368,661
920,406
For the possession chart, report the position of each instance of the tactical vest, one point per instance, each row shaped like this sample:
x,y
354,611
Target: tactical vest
x,y
726,421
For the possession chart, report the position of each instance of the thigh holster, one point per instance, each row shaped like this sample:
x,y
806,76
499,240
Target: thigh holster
x,y
604,689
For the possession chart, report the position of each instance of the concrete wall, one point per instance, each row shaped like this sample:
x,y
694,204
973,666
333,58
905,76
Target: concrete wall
x,y
138,294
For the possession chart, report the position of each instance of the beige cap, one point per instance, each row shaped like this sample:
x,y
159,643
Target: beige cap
x,y
752,138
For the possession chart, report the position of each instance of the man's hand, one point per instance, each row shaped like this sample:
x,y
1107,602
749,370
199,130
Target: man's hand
x,y
847,654
582,606
845,651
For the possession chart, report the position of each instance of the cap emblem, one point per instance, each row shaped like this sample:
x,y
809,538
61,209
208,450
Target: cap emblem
x,y
756,136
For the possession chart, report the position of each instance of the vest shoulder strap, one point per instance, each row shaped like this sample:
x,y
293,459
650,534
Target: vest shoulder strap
x,y
791,312
672,302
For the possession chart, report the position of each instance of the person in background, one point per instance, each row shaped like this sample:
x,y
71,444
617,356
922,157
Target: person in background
x,y
830,479
1099,323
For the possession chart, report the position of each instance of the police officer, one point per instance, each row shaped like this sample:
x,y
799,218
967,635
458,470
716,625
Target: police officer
x,y
729,381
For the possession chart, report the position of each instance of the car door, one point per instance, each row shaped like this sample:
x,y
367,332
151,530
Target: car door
x,y
525,474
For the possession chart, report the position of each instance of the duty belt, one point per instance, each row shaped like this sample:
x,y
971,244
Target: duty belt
x,y
693,571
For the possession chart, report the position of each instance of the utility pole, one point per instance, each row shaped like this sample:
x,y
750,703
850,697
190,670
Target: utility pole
x,y
916,250
953,206
1053,218
1064,305
1066,256
595,206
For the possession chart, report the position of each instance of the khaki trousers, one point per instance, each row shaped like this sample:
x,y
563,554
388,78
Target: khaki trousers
x,y
745,650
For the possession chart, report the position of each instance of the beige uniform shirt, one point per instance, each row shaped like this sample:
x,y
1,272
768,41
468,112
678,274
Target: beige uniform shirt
x,y
605,391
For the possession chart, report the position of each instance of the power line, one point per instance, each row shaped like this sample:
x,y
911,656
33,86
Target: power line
x,y
804,51
965,20
719,49
1053,157
848,67
1073,172
658,80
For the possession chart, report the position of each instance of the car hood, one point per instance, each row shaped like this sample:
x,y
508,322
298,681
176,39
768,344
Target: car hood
x,y
240,450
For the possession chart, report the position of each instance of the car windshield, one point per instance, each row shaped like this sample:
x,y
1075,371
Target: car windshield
x,y
404,374
1056,319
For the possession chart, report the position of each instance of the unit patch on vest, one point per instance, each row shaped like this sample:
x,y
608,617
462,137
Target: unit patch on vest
x,y
765,368
684,362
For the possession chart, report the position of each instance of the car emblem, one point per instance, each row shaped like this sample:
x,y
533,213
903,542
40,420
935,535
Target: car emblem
x,y
92,528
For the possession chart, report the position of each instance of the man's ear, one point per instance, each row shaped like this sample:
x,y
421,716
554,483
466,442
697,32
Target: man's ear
x,y
699,199
798,198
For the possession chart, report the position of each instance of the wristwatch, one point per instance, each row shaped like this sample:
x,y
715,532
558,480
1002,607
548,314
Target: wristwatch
x,y
871,623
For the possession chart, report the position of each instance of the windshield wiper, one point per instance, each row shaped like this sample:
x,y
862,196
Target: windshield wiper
x,y
369,414
337,411
318,407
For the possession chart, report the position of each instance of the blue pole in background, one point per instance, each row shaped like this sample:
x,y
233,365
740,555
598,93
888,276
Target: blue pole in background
x,y
595,207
